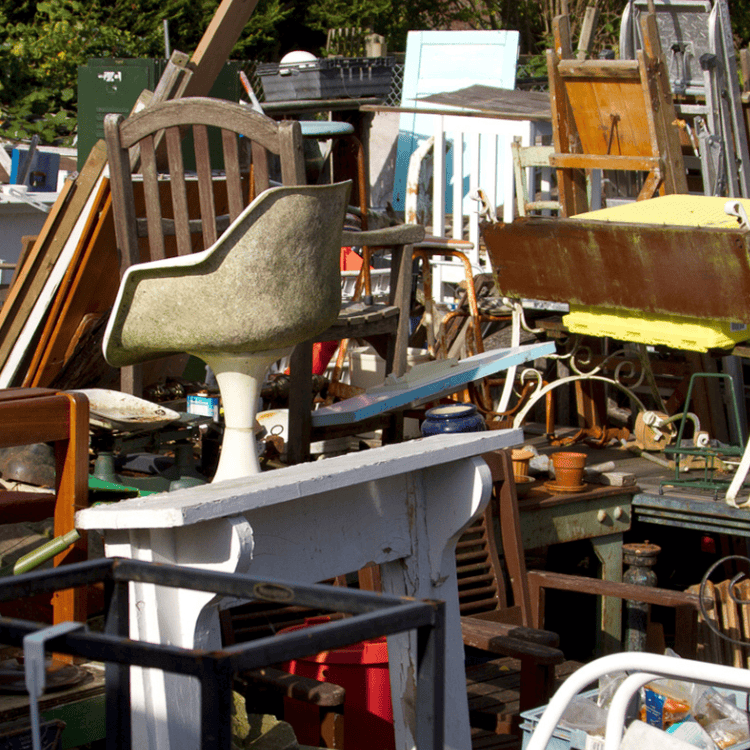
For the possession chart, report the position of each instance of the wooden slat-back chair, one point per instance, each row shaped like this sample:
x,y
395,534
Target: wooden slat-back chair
x,y
181,212
614,115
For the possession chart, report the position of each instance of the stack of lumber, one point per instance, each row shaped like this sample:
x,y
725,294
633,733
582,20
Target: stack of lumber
x,y
731,616
64,282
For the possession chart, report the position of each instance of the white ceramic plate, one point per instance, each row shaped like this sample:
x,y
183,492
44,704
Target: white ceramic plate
x,y
114,410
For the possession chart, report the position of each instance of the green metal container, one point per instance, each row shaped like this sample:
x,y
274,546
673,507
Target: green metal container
x,y
109,84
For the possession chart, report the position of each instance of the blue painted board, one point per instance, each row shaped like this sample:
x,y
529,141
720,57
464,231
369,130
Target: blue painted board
x,y
42,176
442,61
427,382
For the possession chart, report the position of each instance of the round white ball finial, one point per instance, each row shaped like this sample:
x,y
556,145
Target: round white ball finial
x,y
297,57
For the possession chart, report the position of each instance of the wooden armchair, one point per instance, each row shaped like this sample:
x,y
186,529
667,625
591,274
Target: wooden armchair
x,y
529,586
35,415
384,325
171,210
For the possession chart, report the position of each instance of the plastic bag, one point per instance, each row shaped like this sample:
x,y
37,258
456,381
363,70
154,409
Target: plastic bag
x,y
665,702
583,713
723,721
691,732
608,687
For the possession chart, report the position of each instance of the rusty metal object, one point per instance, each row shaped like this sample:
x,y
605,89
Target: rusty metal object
x,y
424,253
596,436
655,269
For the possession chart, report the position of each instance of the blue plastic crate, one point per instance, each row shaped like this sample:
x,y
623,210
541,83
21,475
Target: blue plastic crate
x,y
575,739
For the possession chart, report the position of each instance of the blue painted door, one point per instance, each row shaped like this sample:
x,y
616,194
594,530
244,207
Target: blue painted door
x,y
441,61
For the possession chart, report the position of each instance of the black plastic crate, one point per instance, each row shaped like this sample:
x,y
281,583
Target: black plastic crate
x,y
328,78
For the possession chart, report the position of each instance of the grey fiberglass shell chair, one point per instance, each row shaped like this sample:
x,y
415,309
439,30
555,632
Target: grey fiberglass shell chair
x,y
175,195
271,281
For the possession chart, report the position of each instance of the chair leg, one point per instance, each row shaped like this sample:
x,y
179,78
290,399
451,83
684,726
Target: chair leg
x,y
72,464
537,683
240,378
300,404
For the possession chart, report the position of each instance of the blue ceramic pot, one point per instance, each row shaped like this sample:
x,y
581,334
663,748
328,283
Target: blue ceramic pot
x,y
452,418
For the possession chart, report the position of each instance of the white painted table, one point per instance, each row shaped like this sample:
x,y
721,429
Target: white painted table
x,y
401,506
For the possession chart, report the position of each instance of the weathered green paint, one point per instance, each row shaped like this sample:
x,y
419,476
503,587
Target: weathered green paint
x,y
85,721
575,521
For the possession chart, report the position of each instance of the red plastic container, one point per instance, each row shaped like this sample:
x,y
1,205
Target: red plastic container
x,y
362,670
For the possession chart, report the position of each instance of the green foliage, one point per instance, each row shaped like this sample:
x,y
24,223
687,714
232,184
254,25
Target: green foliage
x,y
40,62
46,40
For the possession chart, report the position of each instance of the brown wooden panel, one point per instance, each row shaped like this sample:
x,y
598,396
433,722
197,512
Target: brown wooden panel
x,y
35,420
610,116
587,161
656,269
602,69
63,291
92,290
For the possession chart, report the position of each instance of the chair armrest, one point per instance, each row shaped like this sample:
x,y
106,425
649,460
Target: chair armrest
x,y
492,637
539,580
325,694
443,244
405,234
512,628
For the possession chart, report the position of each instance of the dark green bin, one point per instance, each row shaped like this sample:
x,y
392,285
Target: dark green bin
x,y
109,84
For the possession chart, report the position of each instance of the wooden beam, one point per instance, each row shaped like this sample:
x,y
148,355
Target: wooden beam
x,y
217,42
588,30
657,89
572,184
604,161
622,70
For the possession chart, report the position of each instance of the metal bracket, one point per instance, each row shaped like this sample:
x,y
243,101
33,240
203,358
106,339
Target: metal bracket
x,y
21,195
34,668
736,209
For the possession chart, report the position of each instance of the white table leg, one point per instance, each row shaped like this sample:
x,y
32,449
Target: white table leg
x,y
165,706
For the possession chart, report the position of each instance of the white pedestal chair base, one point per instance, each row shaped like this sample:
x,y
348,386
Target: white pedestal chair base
x,y
240,379
271,281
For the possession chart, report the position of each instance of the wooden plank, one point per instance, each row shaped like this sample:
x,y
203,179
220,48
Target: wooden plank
x,y
588,31
508,104
745,68
51,244
743,590
30,260
729,625
571,184
92,291
30,378
714,645
663,114
590,161
429,381
217,42
621,70
273,489
49,282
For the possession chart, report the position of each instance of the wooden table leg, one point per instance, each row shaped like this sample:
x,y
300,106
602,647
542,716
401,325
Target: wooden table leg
x,y
609,551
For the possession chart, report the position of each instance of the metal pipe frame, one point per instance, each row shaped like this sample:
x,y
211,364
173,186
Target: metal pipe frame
x,y
645,668
372,615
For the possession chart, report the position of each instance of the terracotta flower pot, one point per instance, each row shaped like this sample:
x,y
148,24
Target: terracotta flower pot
x,y
569,468
520,459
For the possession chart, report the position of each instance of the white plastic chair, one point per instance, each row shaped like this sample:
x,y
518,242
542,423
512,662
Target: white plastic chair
x,y
643,668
